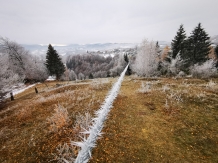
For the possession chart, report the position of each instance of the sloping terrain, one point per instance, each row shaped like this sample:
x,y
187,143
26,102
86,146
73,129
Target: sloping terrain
x,y
32,126
166,120
153,120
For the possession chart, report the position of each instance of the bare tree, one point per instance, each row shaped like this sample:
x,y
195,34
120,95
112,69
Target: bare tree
x,y
17,55
17,65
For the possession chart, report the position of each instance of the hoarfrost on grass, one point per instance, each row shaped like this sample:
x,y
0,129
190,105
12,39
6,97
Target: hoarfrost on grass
x,y
59,118
145,88
211,84
165,88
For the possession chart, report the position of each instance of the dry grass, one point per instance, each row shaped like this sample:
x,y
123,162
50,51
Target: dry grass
x,y
142,129
175,121
59,119
33,128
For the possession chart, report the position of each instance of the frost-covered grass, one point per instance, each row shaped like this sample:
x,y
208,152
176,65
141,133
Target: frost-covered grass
x,y
59,119
175,122
43,123
145,88
168,124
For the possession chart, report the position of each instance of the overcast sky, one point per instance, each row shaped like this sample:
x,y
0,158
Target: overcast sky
x,y
102,21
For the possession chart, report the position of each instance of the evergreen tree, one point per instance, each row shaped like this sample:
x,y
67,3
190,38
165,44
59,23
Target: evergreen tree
x,y
91,76
129,71
158,49
216,51
126,58
178,42
197,46
54,63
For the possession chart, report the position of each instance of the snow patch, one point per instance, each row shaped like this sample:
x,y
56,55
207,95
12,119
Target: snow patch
x,y
51,78
20,89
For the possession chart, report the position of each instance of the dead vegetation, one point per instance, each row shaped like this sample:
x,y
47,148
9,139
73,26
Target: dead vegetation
x,y
153,120
166,120
35,127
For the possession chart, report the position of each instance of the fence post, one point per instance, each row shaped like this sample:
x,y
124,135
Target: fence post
x,y
36,90
12,97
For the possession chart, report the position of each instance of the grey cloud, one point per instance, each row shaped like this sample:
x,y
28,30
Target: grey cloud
x,y
85,21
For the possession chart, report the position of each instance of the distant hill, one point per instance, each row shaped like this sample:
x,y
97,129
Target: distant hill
x,y
78,49
40,50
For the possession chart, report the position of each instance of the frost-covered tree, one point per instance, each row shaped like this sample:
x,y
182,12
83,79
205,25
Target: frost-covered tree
x,y
205,70
7,76
146,63
177,44
100,74
90,64
81,76
54,63
120,64
72,75
175,65
197,46
17,56
18,66
35,70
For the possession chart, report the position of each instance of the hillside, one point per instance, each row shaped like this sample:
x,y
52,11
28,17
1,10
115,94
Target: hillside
x,y
152,120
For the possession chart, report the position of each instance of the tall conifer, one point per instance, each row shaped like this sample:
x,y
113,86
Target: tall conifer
x,y
177,44
54,63
216,51
197,46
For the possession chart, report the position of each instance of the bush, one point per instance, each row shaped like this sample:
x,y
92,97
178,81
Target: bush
x,y
59,118
206,70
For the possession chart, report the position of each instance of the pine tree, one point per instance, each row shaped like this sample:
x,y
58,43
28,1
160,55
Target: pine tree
x,y
129,71
158,49
91,76
178,42
216,51
197,46
54,63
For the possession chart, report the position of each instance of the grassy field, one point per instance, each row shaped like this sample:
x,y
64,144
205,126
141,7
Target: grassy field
x,y
153,120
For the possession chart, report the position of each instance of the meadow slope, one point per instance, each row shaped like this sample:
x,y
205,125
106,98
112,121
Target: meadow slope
x,y
152,120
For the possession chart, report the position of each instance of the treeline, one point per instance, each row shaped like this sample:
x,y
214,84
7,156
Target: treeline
x,y
188,56
89,66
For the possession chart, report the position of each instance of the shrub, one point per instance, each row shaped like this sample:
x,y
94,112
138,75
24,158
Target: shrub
x,y
59,118
206,70
65,153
